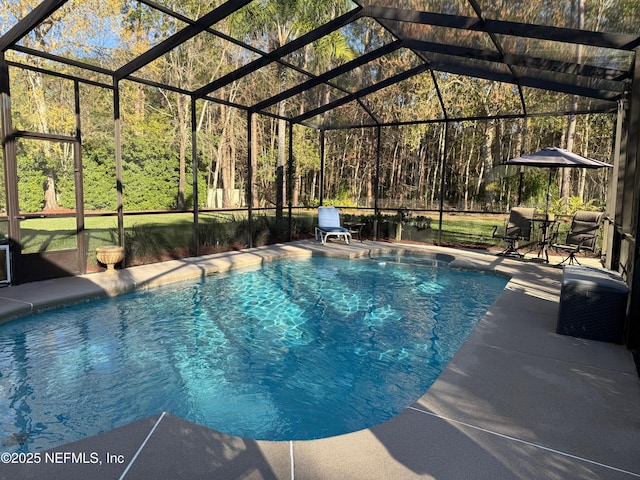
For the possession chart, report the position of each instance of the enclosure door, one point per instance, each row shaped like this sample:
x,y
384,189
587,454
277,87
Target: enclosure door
x,y
51,231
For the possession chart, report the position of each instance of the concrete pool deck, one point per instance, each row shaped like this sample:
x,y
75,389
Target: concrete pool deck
x,y
517,401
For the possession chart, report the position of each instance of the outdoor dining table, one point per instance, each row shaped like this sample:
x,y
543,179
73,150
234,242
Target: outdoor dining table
x,y
545,224
355,228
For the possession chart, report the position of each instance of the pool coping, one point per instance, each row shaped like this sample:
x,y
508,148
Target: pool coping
x,y
516,401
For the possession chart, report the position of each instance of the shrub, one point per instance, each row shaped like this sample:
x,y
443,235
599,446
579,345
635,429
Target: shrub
x,y
145,241
569,206
216,233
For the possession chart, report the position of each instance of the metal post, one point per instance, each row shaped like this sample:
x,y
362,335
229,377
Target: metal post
x,y
376,182
118,159
10,162
194,173
250,174
631,210
322,140
290,175
79,186
611,240
9,151
443,156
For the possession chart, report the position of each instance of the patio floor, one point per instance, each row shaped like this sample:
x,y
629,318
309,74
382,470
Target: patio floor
x,y
517,401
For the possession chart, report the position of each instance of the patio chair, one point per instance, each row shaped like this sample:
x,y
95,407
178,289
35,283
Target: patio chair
x,y
518,228
329,225
582,235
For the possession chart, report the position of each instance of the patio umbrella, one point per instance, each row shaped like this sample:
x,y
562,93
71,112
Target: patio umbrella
x,y
552,158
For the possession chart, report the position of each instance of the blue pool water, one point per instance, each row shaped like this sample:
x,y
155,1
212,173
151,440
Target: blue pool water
x,y
299,349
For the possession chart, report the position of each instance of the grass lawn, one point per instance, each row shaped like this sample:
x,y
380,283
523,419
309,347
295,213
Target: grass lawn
x,y
44,234
469,229
147,235
54,233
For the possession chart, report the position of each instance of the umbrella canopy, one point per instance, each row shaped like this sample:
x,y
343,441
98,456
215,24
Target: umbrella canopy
x,y
552,158
556,158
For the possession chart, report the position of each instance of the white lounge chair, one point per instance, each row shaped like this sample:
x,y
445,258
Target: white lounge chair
x,y
329,225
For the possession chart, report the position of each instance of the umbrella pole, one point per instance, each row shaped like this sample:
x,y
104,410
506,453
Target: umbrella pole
x,y
520,185
548,192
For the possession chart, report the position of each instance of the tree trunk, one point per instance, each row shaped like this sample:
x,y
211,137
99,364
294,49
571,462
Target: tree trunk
x,y
50,202
37,88
369,187
585,150
313,186
565,183
487,162
181,203
421,169
467,175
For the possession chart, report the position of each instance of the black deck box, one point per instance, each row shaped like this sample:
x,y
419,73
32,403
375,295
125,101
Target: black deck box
x,y
593,304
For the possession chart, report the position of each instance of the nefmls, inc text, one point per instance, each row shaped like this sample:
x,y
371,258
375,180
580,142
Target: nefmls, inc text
x,y
90,458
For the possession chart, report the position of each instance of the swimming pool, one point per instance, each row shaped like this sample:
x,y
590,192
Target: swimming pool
x,y
299,349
